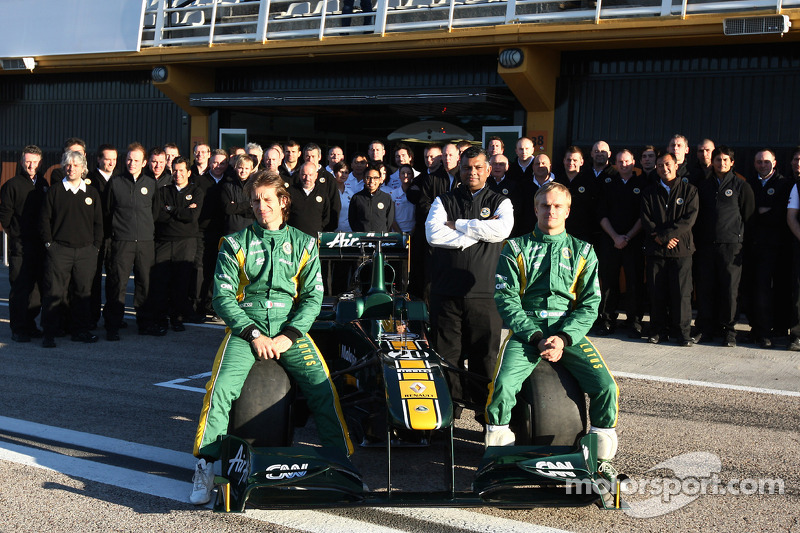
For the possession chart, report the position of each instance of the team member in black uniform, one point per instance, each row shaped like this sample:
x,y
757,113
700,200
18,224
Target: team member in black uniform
x,y
131,198
620,247
99,179
371,209
726,204
669,210
310,210
584,219
71,228
212,228
178,209
766,272
325,182
498,181
20,203
238,213
466,228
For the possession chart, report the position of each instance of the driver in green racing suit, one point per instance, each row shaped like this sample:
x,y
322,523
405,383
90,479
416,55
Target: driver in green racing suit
x,y
547,293
268,290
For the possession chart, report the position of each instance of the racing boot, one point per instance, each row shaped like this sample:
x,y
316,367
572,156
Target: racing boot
x,y
499,436
606,450
202,483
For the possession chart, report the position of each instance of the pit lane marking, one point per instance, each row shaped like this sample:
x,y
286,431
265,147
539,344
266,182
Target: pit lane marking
x,y
162,487
177,383
708,384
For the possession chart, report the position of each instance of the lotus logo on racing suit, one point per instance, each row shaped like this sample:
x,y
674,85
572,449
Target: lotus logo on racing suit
x,y
281,471
555,470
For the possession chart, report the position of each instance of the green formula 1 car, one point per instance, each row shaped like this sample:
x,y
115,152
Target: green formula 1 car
x,y
394,392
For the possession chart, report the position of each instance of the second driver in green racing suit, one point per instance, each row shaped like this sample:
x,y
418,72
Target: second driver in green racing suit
x,y
547,293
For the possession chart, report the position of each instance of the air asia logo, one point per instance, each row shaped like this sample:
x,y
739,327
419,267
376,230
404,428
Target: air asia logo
x,y
240,465
556,470
281,471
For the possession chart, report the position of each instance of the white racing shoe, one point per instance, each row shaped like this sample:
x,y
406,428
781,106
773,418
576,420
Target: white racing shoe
x,y
202,483
499,436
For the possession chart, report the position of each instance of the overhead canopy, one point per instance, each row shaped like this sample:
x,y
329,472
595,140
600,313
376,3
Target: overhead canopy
x,y
429,131
32,28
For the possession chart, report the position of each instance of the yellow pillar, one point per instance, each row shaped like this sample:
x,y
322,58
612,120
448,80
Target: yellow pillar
x,y
180,83
533,83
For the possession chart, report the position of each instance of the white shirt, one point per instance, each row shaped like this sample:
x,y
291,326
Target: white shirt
x,y
468,232
106,175
353,184
403,210
794,199
344,221
74,190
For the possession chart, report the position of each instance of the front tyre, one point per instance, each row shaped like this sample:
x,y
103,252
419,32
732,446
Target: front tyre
x,y
262,415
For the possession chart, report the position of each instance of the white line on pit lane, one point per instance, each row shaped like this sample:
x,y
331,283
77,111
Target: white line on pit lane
x,y
708,384
313,521
176,383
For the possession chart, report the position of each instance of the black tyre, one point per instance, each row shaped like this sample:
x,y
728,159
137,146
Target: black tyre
x,y
263,413
550,409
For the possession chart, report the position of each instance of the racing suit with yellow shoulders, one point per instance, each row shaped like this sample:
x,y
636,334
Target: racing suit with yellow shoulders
x,y
548,285
270,281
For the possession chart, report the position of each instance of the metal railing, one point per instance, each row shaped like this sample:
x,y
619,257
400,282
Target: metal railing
x,y
184,22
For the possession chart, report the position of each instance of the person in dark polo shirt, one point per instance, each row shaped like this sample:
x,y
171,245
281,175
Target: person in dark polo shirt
x,y
71,228
371,209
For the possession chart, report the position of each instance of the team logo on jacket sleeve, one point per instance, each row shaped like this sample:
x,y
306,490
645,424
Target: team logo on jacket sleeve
x,y
485,212
88,201
188,197
581,189
380,205
770,191
87,181
636,190
318,199
728,193
608,180
566,253
679,201
287,248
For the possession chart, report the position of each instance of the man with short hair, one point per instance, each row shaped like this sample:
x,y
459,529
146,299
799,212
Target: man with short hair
x,y
648,162
726,204
403,155
704,167
547,293
291,159
495,146
171,151
669,211
99,178
72,144
450,164
620,247
498,181
157,167
371,209
466,228
766,272
211,223
584,219
272,160
521,170
678,146
256,150
335,155
312,153
376,151
202,153
178,209
524,214
601,167
21,200
310,211
130,198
